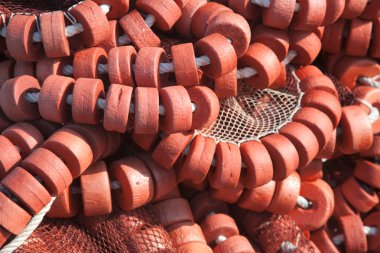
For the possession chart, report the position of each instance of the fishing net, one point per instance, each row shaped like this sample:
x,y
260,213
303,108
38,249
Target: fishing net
x,y
9,7
255,113
277,232
346,96
121,231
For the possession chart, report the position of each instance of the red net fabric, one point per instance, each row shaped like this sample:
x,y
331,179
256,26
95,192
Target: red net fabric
x,y
36,7
346,96
271,231
121,231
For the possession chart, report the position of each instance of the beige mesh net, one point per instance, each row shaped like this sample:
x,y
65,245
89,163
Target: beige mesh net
x,y
255,113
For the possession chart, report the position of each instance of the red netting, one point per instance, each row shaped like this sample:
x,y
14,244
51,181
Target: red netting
x,y
36,7
346,96
272,230
121,231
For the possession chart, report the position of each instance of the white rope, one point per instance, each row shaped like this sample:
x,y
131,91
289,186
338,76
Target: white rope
x,y
37,37
186,150
69,99
32,225
33,97
161,110
246,73
101,103
369,231
70,17
163,68
115,185
3,31
105,8
210,213
132,108
166,67
70,31
370,81
374,115
18,148
169,67
289,247
249,72
123,40
149,20
338,239
103,69
266,4
194,107
297,8
303,202
73,29
374,112
291,55
202,61
220,238
67,70
262,3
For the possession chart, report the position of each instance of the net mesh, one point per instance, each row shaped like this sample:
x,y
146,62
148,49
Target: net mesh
x,y
271,235
346,96
36,7
255,113
121,231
